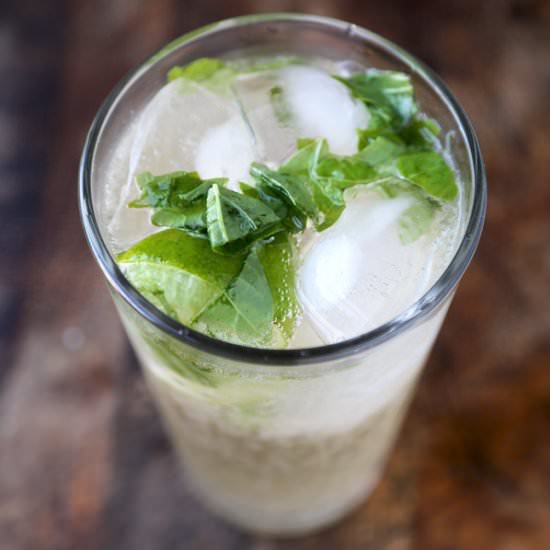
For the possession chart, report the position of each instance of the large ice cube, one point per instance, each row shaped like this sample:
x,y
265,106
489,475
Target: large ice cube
x,y
322,107
173,125
358,274
298,102
275,137
227,151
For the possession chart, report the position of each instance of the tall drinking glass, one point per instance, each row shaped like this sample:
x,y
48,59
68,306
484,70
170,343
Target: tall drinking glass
x,y
281,441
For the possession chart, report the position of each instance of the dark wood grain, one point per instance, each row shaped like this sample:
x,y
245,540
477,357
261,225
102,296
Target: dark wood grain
x,y
84,462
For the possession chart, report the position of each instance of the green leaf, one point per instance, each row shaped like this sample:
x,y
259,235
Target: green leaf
x,y
250,190
318,175
309,151
430,172
235,220
261,64
381,151
278,258
304,164
178,199
416,220
345,172
172,190
394,186
189,218
330,202
421,133
304,142
232,297
326,193
292,221
389,96
245,311
293,189
198,70
280,105
206,71
219,75
178,273
328,176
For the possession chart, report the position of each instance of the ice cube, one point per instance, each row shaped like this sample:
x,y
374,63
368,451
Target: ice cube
x,y
226,151
358,274
173,125
275,138
322,107
298,102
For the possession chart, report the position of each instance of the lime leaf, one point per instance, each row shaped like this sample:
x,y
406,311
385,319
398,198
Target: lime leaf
x,y
345,172
328,197
244,313
198,70
300,162
180,274
219,75
429,171
178,199
328,176
189,218
172,190
207,71
388,95
259,193
330,202
416,220
278,259
304,166
317,177
381,151
291,219
293,189
235,220
280,106
421,133
304,142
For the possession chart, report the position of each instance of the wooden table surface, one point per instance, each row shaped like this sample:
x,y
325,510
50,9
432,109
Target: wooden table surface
x,y
84,463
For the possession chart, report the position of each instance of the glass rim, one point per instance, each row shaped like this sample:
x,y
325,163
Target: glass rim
x,y
416,312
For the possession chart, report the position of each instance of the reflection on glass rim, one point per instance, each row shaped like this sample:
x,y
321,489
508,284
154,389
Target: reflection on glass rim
x,y
412,315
